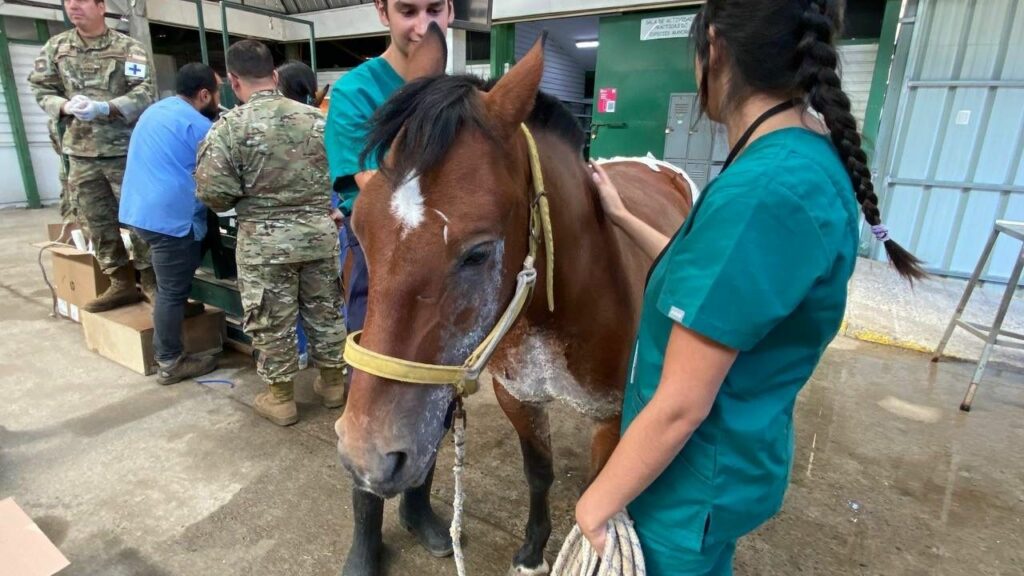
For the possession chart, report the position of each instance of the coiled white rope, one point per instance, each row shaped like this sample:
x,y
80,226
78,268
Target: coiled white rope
x,y
622,553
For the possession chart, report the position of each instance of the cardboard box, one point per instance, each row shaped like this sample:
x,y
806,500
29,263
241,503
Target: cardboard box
x,y
75,274
24,548
125,335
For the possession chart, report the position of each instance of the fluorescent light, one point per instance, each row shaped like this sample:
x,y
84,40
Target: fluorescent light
x,y
586,43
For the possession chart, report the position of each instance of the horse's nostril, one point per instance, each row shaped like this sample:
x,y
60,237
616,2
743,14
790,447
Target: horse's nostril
x,y
392,466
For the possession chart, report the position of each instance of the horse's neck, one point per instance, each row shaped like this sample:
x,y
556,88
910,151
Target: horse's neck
x,y
575,226
571,200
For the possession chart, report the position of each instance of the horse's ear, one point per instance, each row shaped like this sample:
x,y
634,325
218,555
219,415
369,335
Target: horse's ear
x,y
511,99
430,55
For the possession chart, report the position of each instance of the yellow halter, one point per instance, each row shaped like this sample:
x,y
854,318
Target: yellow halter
x,y
464,378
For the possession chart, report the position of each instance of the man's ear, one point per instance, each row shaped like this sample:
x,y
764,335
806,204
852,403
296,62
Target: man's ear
x,y
382,12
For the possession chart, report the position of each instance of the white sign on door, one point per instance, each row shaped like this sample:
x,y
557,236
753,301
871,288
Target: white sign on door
x,y
666,27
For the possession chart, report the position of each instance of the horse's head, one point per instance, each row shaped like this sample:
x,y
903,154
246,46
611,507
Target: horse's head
x,y
444,231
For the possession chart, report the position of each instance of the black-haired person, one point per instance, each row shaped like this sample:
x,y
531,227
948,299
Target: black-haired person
x,y
743,300
296,80
158,202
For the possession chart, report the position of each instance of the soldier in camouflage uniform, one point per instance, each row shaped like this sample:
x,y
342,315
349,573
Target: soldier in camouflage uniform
x,y
98,82
266,159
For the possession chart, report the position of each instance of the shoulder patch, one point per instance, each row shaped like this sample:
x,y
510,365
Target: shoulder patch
x,y
134,69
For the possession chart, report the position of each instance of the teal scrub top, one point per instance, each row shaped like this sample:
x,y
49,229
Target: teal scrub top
x,y
354,99
761,265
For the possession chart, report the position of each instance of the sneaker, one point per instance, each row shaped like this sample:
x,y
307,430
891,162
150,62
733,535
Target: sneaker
x,y
185,367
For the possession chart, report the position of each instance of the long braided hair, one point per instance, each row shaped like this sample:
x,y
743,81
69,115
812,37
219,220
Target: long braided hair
x,y
785,48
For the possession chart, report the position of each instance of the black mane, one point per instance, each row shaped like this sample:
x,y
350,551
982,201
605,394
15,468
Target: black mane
x,y
432,110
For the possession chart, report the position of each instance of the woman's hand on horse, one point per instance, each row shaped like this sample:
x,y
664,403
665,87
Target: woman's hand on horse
x,y
609,194
593,527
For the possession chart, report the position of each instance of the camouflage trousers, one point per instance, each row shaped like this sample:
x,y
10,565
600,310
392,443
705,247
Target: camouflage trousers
x,y
94,187
67,212
274,297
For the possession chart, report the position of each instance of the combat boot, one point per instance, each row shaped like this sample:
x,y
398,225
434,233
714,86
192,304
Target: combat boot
x,y
278,405
121,292
330,385
147,279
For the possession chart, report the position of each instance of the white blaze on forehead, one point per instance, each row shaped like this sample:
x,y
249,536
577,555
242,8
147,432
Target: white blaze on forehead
x,y
407,204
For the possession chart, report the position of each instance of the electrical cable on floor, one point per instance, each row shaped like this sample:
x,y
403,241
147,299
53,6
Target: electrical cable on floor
x,y
54,312
229,383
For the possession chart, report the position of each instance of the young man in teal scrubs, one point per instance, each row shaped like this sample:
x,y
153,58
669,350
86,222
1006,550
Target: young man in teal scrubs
x,y
354,99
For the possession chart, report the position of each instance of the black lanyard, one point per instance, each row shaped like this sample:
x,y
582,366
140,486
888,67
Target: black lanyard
x,y
740,144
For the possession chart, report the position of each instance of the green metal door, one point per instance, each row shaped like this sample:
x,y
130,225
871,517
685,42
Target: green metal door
x,y
643,74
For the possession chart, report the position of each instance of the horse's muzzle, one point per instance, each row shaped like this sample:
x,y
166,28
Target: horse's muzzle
x,y
384,473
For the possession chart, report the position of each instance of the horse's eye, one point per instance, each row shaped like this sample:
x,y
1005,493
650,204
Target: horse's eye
x,y
476,256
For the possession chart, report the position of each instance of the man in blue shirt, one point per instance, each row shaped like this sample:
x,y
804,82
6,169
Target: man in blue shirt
x,y
158,202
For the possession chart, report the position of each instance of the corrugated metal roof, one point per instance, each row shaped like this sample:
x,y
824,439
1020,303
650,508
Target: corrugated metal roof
x,y
302,6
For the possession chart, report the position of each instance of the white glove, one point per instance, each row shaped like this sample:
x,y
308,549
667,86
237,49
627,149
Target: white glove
x,y
75,102
87,110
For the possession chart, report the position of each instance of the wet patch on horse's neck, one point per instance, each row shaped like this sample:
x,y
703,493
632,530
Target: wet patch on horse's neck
x,y
538,372
407,204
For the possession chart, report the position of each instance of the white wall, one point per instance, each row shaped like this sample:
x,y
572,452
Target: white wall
x,y
564,77
857,71
181,13
506,10
346,22
12,190
45,162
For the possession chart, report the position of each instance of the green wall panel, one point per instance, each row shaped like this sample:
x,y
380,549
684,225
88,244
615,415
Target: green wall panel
x,y
644,73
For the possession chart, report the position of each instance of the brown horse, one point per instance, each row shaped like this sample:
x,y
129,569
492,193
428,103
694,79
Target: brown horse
x,y
444,229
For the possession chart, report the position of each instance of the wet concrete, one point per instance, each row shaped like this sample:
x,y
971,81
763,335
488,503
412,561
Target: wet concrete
x,y
129,478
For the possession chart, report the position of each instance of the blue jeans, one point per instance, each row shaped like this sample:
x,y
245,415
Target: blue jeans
x,y
174,262
355,299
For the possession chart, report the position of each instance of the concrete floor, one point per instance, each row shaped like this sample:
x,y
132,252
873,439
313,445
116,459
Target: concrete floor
x,y
130,478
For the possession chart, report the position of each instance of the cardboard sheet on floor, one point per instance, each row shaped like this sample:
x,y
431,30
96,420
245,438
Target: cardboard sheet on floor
x,y
125,335
24,549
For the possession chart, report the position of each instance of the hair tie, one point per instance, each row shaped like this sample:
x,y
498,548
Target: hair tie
x,y
880,232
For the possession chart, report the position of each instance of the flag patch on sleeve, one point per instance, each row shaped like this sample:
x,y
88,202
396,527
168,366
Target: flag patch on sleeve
x,y
134,69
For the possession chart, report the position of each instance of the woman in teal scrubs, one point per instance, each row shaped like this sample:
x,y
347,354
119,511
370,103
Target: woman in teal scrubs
x,y
742,301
